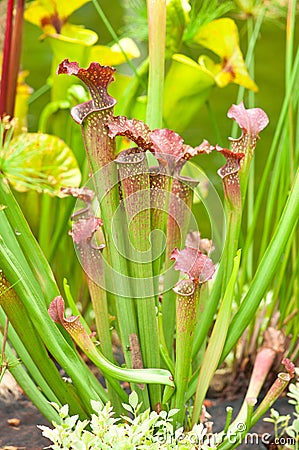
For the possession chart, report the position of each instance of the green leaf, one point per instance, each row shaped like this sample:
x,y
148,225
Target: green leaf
x,y
64,411
128,407
173,412
133,399
41,162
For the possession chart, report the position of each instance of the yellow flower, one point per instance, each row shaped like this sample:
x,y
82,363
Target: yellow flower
x,y
221,37
51,16
66,38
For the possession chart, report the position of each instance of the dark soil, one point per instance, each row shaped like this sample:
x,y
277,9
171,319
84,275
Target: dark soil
x,y
27,436
260,437
24,435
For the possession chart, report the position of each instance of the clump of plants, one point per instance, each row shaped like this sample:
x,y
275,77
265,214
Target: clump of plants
x,y
177,302
136,430
155,431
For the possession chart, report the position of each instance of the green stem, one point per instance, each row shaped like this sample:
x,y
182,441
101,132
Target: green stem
x,y
216,343
208,314
232,238
135,183
178,222
7,56
47,207
114,35
159,200
163,348
156,11
237,437
186,315
251,171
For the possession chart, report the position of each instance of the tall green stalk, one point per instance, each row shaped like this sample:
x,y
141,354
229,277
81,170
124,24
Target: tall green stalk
x,y
216,343
178,222
199,269
156,11
186,317
135,184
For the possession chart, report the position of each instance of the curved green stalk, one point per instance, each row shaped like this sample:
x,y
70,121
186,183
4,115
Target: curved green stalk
x,y
100,307
78,333
148,376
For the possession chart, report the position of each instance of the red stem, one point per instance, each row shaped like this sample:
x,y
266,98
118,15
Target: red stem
x,y
6,58
14,63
